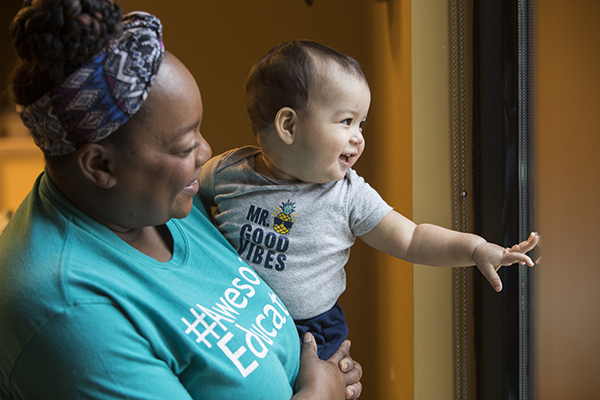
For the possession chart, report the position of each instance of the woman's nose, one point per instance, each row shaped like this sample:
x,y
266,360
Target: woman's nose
x,y
203,151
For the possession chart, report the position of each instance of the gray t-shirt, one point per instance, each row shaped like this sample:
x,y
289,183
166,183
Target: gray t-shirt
x,y
296,235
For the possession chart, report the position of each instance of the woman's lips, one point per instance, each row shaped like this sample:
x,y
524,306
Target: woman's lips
x,y
192,188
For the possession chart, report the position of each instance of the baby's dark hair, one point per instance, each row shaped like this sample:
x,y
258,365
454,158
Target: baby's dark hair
x,y
55,37
285,76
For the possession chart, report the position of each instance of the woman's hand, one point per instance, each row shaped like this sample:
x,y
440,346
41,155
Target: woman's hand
x,y
336,378
490,257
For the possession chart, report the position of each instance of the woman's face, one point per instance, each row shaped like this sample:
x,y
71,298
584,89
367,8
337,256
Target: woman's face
x,y
158,179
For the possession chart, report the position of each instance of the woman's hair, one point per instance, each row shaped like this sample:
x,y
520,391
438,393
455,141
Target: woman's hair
x,y
55,37
285,76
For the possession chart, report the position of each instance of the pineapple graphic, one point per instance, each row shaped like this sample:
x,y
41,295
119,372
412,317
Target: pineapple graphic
x,y
284,219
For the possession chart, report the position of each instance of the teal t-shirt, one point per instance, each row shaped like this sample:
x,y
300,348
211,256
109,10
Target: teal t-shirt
x,y
84,315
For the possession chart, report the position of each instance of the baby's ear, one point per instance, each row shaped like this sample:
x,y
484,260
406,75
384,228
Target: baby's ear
x,y
285,123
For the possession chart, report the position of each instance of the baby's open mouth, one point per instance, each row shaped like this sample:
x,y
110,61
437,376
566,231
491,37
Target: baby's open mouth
x,y
346,159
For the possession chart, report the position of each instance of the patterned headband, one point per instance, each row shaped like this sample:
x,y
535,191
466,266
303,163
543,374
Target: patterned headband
x,y
101,95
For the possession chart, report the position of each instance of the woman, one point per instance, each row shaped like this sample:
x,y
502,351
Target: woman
x,y
113,281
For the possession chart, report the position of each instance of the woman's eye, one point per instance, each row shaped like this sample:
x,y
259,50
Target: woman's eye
x,y
190,149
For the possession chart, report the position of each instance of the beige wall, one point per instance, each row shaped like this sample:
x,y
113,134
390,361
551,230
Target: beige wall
x,y
567,105
434,358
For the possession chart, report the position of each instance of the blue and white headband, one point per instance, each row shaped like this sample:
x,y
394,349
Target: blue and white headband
x,y
101,95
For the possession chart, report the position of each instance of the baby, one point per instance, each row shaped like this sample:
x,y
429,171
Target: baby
x,y
293,206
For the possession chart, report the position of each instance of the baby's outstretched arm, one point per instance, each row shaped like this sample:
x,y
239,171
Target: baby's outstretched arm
x,y
437,246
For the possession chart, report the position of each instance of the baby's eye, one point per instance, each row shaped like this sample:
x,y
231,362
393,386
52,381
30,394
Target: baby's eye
x,y
362,124
347,121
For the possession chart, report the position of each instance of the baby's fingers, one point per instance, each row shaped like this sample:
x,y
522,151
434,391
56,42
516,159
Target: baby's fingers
x,y
511,257
492,276
526,245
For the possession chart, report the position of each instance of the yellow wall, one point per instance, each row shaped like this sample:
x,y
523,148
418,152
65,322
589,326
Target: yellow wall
x,y
219,40
567,108
390,146
20,163
406,351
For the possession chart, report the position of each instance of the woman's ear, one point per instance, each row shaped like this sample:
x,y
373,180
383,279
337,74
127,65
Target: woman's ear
x,y
94,161
285,123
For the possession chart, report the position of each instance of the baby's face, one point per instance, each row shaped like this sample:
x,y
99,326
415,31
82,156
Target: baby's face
x,y
328,133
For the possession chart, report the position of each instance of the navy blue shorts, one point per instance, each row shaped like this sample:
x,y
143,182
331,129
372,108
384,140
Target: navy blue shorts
x,y
329,329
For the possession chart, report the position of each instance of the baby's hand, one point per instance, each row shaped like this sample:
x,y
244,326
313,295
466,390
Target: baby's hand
x,y
490,257
520,249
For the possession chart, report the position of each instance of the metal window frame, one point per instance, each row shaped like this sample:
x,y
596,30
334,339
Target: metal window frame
x,y
503,193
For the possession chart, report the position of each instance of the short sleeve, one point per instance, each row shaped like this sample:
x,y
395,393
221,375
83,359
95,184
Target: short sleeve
x,y
206,182
366,207
92,352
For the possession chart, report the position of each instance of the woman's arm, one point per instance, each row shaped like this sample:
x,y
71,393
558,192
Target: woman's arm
x,y
441,247
336,378
92,351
